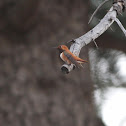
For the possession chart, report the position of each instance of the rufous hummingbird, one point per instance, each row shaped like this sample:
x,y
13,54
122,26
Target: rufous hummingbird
x,y
68,57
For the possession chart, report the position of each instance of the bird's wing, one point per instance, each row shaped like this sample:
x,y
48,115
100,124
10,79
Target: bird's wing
x,y
70,57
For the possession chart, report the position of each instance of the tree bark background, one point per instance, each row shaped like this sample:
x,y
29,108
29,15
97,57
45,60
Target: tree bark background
x,y
33,91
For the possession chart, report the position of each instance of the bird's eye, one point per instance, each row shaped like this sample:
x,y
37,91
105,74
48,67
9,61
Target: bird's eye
x,y
61,47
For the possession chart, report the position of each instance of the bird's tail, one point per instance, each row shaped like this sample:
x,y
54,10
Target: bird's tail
x,y
82,61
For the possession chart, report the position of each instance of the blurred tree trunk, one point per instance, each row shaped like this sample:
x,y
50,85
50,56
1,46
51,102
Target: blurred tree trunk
x,y
33,91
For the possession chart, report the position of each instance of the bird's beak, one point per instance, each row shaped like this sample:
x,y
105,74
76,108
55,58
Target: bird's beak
x,y
55,47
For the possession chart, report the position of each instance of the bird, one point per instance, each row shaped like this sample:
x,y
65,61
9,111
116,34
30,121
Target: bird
x,y
69,58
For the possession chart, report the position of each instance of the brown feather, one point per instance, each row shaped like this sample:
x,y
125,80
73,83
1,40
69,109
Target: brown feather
x,y
77,58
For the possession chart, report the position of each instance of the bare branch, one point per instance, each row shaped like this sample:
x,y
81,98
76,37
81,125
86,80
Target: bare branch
x,y
120,25
95,44
94,33
97,10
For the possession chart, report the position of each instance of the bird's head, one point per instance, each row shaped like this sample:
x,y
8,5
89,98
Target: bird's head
x,y
62,48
